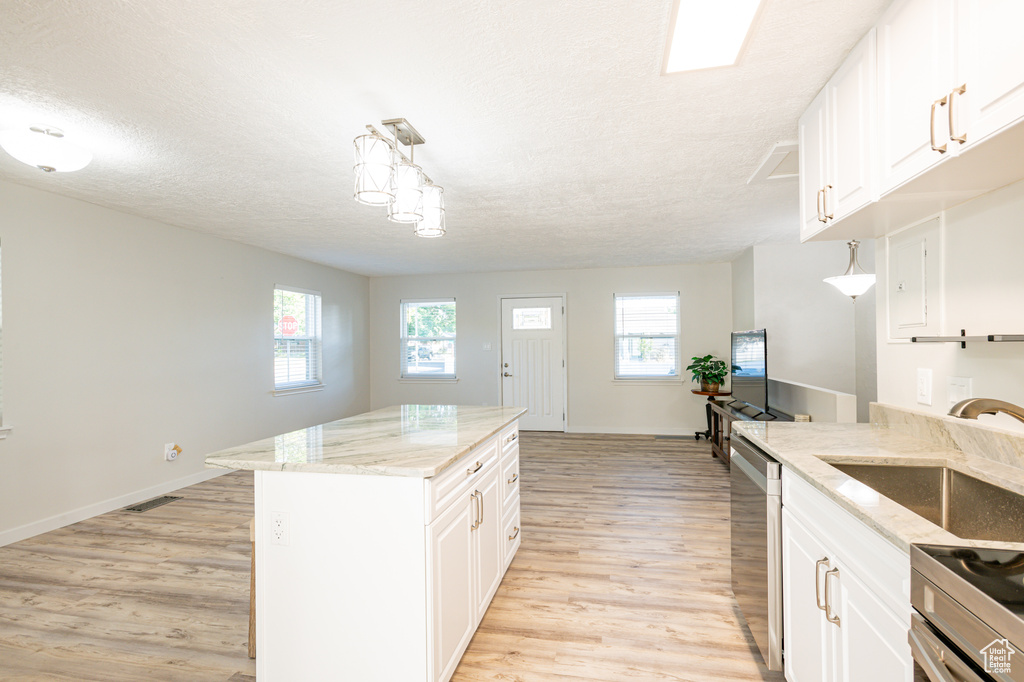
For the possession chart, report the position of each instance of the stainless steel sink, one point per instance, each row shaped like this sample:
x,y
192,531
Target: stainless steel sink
x,y
965,506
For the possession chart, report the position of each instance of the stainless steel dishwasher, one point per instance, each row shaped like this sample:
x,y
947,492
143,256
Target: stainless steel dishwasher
x,y
757,546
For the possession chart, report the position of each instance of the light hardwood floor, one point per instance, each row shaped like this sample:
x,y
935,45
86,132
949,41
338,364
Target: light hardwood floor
x,y
623,574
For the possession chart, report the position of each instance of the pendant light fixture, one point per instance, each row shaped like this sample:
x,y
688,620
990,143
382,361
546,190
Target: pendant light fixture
x,y
854,281
432,224
45,148
387,177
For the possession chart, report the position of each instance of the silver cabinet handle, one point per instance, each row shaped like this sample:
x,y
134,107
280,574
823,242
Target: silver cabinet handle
x,y
937,103
481,508
515,477
829,616
512,438
824,202
476,509
817,582
470,472
818,206
952,124
514,535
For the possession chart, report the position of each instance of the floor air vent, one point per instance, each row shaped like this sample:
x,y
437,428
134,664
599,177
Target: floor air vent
x,y
151,504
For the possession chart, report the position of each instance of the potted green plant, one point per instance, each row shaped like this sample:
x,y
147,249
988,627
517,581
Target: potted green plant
x,y
709,371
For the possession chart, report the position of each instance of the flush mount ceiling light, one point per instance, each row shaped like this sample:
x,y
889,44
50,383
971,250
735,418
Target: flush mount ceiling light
x,y
708,34
852,283
45,148
387,177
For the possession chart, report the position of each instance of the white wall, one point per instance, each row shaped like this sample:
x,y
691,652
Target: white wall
x,y
122,334
596,403
983,272
816,336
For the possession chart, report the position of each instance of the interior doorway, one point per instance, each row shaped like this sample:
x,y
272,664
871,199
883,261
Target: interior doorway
x,y
533,360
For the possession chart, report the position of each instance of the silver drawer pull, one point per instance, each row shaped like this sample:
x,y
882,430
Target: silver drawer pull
x,y
470,472
514,535
829,616
512,438
817,581
515,477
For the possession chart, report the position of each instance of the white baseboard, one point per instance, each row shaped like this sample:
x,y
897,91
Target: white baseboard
x,y
87,512
634,431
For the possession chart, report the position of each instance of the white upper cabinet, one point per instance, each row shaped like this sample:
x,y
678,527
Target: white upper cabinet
x,y
991,64
836,136
813,167
851,131
916,73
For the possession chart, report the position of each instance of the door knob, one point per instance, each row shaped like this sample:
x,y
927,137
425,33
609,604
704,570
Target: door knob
x,y
506,374
505,365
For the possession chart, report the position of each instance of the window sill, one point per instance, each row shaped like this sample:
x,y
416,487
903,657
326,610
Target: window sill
x,y
4,430
427,380
298,389
648,381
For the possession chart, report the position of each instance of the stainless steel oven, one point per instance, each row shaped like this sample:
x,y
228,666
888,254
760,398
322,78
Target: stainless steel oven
x,y
968,619
757,546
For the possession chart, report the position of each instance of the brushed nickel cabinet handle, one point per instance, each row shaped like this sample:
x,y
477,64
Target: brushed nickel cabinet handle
x,y
936,103
817,582
824,202
818,202
481,508
514,535
476,508
470,472
829,616
512,437
515,477
952,122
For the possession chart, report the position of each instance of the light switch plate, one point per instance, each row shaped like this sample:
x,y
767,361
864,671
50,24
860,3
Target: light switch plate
x,y
924,385
957,389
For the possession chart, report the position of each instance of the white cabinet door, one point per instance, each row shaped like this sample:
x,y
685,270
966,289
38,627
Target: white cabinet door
x,y
990,61
488,548
851,136
452,599
808,636
873,642
916,62
812,131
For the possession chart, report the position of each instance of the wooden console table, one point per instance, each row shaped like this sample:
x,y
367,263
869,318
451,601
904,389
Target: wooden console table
x,y
711,398
722,417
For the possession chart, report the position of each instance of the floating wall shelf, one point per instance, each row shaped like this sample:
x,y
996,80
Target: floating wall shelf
x,y
963,338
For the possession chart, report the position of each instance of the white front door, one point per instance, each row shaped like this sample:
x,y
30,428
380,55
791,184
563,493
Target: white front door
x,y
532,360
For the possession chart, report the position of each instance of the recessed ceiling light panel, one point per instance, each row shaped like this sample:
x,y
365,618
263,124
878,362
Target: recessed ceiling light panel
x,y
708,33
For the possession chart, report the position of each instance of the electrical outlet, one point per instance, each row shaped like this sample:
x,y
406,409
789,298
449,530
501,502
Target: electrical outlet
x,y
957,389
171,451
279,528
924,385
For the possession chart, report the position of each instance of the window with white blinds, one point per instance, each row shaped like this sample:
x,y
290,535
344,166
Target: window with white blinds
x,y
297,338
428,339
647,336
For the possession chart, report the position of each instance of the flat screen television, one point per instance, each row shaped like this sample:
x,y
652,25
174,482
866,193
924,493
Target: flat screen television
x,y
750,369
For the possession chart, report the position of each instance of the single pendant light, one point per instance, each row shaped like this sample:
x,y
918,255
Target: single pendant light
x,y
374,170
407,186
852,283
432,224
45,148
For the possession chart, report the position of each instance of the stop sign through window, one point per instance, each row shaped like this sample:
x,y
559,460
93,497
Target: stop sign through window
x,y
289,326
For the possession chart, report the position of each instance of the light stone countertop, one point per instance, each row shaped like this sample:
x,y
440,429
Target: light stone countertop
x,y
404,440
806,448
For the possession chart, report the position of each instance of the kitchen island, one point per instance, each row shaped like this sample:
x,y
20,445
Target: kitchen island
x,y
380,540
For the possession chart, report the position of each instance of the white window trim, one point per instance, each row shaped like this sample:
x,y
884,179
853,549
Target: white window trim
x,y
678,336
403,339
293,387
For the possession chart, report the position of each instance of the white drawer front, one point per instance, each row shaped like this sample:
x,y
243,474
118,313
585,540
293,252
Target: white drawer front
x,y
509,436
510,475
455,482
512,535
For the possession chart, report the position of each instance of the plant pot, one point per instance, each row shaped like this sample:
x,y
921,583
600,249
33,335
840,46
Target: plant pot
x,y
709,387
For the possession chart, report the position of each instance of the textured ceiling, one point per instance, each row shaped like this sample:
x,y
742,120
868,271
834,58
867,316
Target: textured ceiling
x,y
557,139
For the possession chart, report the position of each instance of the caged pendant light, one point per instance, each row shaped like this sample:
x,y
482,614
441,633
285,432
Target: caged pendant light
x,y
852,283
387,177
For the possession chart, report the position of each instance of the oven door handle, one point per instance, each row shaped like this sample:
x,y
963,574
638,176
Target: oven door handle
x,y
936,658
